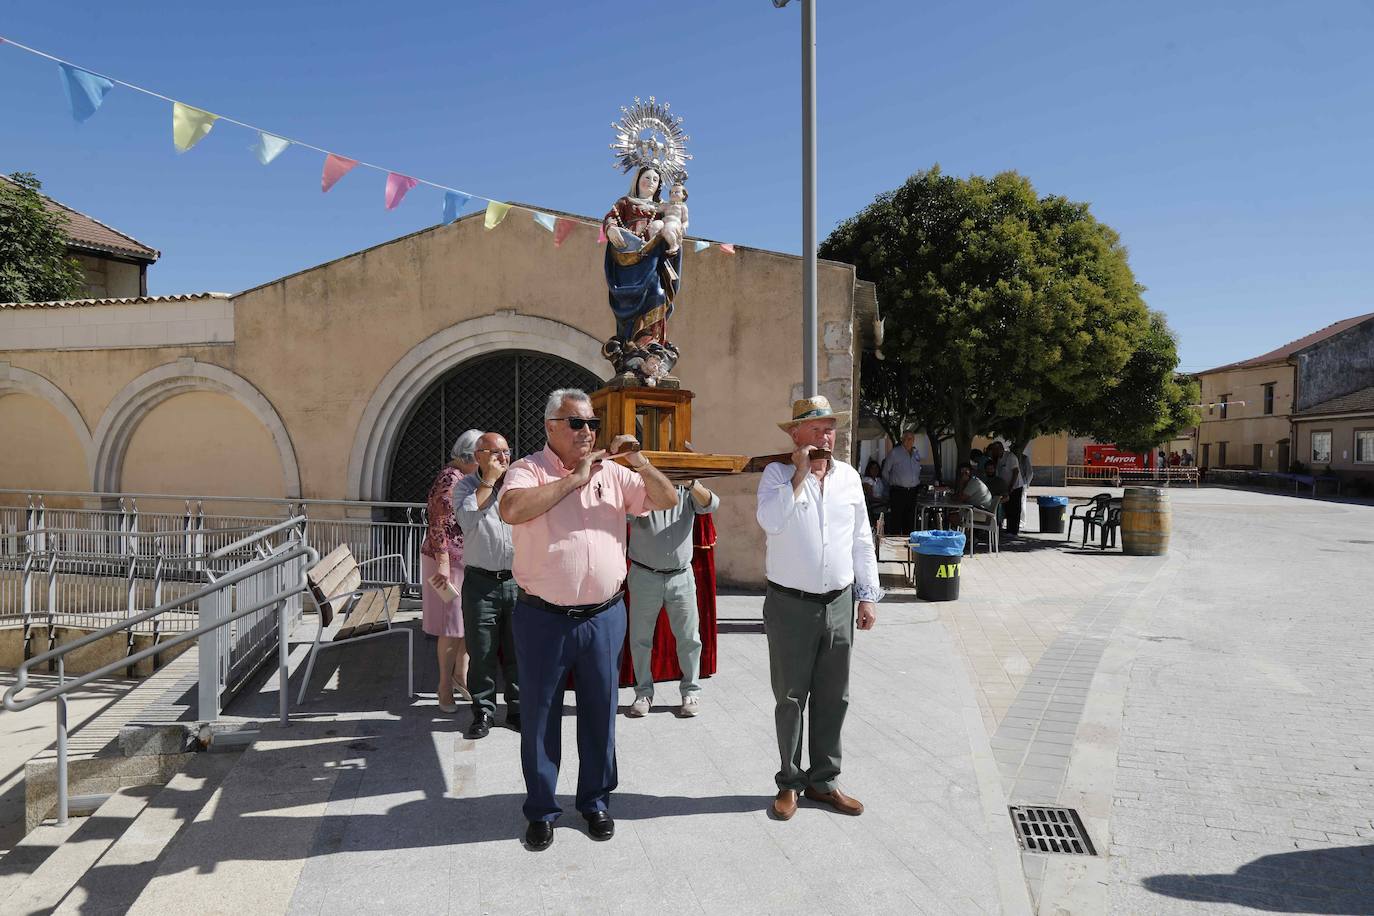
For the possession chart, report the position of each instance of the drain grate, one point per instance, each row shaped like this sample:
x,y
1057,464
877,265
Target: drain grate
x,y
1051,830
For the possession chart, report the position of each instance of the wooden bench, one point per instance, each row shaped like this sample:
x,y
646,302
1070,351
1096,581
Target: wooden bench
x,y
352,609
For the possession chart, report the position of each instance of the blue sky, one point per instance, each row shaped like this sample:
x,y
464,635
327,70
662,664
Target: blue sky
x,y
1229,143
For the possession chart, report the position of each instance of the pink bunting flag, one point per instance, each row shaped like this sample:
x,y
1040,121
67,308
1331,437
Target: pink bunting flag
x,y
396,188
726,247
561,230
335,167
601,235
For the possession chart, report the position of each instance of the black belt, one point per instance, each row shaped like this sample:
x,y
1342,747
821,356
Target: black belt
x,y
573,611
661,572
500,575
822,598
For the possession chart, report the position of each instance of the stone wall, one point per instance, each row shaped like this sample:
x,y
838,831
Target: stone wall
x,y
1336,366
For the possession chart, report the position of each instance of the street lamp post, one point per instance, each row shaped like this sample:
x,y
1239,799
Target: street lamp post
x,y
810,353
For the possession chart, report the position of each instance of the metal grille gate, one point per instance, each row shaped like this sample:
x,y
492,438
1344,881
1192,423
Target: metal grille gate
x,y
503,392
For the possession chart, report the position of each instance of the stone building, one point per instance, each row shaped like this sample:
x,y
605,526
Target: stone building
x,y
1333,426
1248,406
116,265
350,379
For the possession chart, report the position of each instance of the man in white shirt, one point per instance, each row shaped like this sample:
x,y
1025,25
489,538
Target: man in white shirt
x,y
902,474
819,561
1008,468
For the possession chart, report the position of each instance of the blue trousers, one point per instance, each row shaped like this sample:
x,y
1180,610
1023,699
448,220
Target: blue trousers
x,y
547,648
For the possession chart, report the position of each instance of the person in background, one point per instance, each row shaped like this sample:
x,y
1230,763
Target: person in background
x,y
970,490
661,577
441,573
902,474
1027,475
1008,468
875,493
488,587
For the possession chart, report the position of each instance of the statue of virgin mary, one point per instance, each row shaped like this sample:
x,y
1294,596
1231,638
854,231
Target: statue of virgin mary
x,y
641,277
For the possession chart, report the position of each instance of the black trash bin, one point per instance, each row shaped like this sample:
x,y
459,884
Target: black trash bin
x,y
1052,509
937,564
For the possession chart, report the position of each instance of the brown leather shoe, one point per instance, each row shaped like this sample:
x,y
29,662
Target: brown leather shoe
x,y
785,804
837,800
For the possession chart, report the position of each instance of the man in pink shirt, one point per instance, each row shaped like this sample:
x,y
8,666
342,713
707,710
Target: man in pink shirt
x,y
566,508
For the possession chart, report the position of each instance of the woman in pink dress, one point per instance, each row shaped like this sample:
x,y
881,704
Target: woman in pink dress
x,y
441,574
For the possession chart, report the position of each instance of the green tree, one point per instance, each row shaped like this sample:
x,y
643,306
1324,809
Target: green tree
x,y
1008,308
1152,404
34,264
898,399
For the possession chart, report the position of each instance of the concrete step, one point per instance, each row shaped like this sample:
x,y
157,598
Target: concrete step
x,y
98,762
46,886
116,881
29,854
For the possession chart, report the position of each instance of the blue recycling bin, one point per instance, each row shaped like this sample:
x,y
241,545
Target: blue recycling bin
x,y
938,554
1052,509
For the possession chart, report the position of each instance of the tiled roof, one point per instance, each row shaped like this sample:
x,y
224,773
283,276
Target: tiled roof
x,y
1288,349
90,234
129,300
1361,401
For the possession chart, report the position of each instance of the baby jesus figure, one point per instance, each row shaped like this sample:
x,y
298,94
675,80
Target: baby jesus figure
x,y
672,221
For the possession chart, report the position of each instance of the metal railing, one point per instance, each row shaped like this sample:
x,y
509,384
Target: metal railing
x,y
268,587
1118,477
120,527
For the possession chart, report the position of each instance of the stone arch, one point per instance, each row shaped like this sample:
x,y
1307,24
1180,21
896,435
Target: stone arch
x,y
383,419
14,380
139,397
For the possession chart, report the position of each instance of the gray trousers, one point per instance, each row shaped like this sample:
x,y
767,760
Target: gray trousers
x,y
808,659
676,594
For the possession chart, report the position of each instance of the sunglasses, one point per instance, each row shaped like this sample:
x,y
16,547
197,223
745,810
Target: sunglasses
x,y
495,451
593,424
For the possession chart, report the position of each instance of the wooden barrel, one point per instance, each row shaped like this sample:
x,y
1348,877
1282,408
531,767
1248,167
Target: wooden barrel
x,y
1145,520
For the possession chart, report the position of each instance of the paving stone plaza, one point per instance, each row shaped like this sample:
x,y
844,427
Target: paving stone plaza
x,y
1209,714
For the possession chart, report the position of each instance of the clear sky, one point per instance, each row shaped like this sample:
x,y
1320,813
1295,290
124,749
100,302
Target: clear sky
x,y
1228,142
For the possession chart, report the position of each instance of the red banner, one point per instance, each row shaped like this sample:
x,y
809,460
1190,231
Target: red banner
x,y
1109,456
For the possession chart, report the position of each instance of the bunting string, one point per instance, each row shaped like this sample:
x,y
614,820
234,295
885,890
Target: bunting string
x,y
86,90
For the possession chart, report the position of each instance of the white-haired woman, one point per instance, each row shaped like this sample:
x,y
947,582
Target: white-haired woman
x,y
441,569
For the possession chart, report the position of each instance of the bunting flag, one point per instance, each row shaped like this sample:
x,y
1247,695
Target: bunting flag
x,y
545,220
495,213
453,202
699,246
85,91
601,235
726,247
335,167
269,147
190,125
561,230
396,188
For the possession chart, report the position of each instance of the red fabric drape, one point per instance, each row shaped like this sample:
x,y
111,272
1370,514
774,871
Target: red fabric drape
x,y
664,659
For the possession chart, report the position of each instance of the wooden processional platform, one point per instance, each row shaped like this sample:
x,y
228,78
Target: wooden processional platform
x,y
661,419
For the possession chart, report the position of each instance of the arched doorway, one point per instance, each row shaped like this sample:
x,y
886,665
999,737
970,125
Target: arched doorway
x,y
501,392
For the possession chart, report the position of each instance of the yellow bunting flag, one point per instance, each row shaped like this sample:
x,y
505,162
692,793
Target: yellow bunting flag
x,y
190,125
495,213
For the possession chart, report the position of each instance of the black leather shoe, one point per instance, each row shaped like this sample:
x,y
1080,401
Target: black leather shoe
x,y
539,835
600,825
513,721
481,725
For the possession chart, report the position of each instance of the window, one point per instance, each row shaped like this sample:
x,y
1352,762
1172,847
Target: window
x,y
1207,454
1269,399
1258,457
1224,399
1364,446
1321,447
1221,450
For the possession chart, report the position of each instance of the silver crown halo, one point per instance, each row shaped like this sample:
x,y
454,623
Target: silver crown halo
x,y
647,134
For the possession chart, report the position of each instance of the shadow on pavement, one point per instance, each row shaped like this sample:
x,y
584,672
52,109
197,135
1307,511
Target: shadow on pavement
x,y
1338,880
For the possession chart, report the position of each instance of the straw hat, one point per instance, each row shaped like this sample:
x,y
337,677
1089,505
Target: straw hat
x,y
817,408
